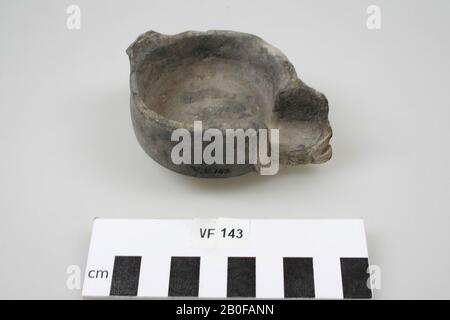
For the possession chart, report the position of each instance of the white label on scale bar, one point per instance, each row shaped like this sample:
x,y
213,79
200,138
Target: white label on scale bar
x,y
218,258
220,233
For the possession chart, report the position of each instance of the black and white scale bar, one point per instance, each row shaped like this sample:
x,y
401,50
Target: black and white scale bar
x,y
241,277
282,259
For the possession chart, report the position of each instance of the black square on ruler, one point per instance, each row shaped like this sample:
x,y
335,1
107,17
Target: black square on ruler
x,y
241,278
125,278
184,276
355,278
298,278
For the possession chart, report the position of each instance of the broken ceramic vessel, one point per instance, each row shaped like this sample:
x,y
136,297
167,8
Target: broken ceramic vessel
x,y
226,80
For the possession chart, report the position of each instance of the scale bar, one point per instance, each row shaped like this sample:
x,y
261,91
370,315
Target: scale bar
x,y
325,259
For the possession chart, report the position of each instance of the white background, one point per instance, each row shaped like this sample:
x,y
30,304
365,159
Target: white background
x,y
68,152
